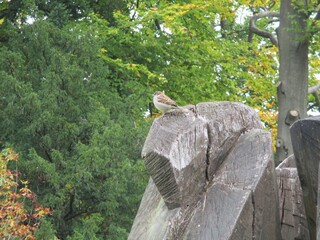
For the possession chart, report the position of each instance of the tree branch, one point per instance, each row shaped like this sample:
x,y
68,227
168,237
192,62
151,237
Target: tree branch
x,y
314,89
135,12
317,102
67,216
317,17
157,24
263,33
315,29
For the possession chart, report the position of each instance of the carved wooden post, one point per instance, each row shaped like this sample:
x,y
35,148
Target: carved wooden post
x,y
212,176
175,156
305,135
293,219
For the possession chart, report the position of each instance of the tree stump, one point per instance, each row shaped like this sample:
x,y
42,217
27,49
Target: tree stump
x,y
212,176
305,135
292,213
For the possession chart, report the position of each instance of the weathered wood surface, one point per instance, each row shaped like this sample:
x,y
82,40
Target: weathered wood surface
x,y
175,150
305,135
241,201
226,122
212,176
292,213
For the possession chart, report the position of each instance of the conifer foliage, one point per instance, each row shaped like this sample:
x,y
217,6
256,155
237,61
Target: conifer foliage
x,y
76,85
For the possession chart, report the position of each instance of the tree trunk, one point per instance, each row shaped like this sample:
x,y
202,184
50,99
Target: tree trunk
x,y
293,73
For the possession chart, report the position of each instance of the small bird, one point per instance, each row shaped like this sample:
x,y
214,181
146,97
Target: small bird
x,y
163,102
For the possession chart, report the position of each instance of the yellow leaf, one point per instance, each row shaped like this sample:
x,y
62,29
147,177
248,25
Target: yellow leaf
x,y
69,186
103,50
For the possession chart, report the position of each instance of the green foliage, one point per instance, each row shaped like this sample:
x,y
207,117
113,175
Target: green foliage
x,y
77,82
75,88
46,230
88,228
184,47
80,134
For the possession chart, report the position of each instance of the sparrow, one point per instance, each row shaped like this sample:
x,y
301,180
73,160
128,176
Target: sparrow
x,y
163,102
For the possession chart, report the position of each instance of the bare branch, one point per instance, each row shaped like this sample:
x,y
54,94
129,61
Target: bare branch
x,y
314,89
317,17
263,33
135,12
272,4
317,102
273,20
314,23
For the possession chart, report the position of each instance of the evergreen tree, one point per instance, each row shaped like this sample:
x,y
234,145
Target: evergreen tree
x,y
80,137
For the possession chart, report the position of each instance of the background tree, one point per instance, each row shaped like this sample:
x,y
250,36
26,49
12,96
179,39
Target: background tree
x,y
76,85
78,126
298,24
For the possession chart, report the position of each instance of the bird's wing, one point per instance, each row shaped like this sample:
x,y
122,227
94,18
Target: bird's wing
x,y
166,100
